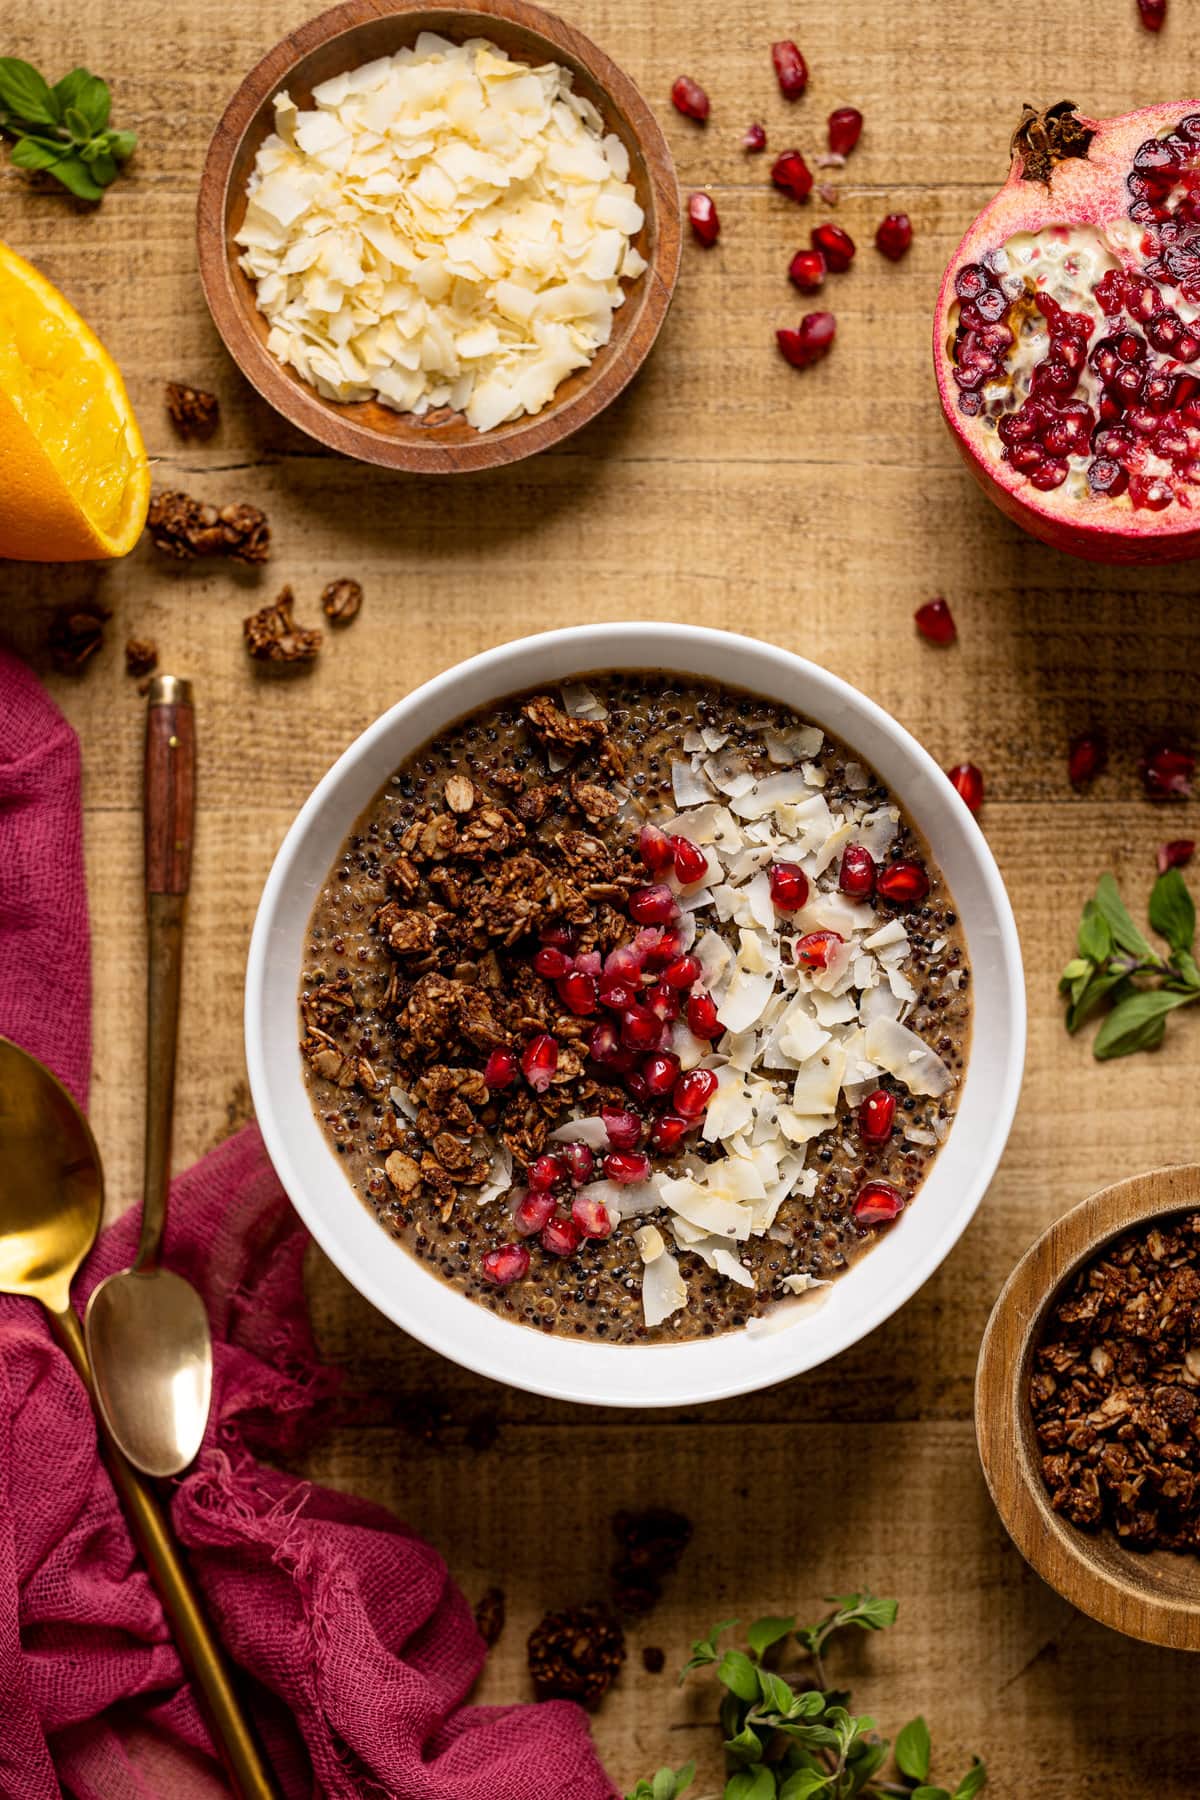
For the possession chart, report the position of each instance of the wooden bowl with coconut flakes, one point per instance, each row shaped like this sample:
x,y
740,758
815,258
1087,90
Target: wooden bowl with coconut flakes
x,y
441,440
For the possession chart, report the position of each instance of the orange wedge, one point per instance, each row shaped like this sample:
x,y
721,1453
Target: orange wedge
x,y
74,479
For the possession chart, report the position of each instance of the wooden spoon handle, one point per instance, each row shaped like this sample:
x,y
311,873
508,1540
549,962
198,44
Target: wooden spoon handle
x,y
170,785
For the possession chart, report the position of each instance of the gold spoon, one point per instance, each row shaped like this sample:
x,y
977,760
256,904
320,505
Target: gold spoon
x,y
51,1197
147,1330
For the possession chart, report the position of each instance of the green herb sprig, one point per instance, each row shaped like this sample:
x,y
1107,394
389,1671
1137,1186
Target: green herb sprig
x,y
62,130
802,1742
1117,966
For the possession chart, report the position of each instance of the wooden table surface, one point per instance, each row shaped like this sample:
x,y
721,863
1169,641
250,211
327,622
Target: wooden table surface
x,y
816,510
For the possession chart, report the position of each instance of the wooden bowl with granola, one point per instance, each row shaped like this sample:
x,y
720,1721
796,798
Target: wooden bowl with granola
x,y
1087,1406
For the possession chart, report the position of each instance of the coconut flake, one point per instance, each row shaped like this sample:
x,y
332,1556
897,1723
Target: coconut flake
x,y
907,1057
663,1289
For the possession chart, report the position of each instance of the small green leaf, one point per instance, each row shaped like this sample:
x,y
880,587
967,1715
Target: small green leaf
x,y
67,91
972,1783
121,144
869,1613
101,167
1116,916
931,1793
805,1784
24,93
739,1675
1173,911
1077,967
777,1696
1103,985
1095,938
765,1632
752,1784
1137,1022
746,1747
77,177
668,1784
913,1750
33,154
93,101
808,1705
77,125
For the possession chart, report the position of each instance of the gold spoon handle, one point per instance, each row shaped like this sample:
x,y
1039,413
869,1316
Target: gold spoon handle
x,y
202,1655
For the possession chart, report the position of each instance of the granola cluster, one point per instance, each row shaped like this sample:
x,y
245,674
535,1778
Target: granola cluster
x,y
194,412
1116,1391
185,529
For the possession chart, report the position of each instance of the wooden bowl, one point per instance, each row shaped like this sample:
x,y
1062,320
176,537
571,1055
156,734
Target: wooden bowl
x,y
1154,1596
355,33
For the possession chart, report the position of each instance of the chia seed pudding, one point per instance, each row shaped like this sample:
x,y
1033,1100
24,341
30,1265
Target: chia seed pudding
x,y
635,1009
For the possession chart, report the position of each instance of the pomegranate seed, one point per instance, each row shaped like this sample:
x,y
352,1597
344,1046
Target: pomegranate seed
x,y
504,1265
532,1212
693,1092
792,175
561,936
551,962
690,861
807,270
653,905
878,1203
579,1160
814,950
661,1072
683,973
935,621
590,962
835,245
653,944
624,1129
668,1132
592,1217
702,1017
789,886
1087,758
664,1002
755,140
904,883
969,782
640,1030
606,1048
689,98
618,995
654,848
546,1172
1175,854
1153,14
561,1236
636,1084
845,129
577,991
875,1117
811,342
704,219
539,1060
791,70
626,1166
857,873
500,1069
894,235
1167,774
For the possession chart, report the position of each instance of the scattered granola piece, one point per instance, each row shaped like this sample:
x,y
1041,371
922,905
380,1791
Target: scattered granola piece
x,y
460,793
403,1173
272,634
489,1615
141,656
654,1660
187,528
576,1655
76,633
651,1546
342,601
194,412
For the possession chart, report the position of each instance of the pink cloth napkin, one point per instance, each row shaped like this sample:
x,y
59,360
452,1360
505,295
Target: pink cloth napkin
x,y
360,1648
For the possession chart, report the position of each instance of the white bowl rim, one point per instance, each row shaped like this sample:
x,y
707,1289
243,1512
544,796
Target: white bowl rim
x,y
588,1371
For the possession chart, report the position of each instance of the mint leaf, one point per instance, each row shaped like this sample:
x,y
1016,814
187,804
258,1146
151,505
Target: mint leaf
x,y
1091,993
752,1784
94,102
77,178
739,1675
122,144
1137,1022
805,1784
1173,911
34,154
765,1632
25,94
913,1750
1095,938
1116,916
67,91
972,1783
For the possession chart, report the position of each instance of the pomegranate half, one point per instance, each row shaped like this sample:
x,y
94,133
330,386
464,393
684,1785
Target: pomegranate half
x,y
1067,334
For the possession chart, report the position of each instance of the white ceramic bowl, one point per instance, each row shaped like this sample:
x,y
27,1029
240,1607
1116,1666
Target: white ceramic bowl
x,y
611,1374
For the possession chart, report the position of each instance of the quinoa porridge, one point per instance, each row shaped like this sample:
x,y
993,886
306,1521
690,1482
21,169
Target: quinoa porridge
x,y
635,1009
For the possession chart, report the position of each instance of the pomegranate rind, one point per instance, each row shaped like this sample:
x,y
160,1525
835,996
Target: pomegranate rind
x,y
1081,191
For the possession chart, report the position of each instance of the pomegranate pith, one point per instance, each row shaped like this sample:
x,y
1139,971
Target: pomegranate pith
x,y
791,70
703,218
845,129
935,621
893,236
689,98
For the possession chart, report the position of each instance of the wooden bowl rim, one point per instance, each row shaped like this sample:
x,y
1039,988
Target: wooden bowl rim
x,y
1057,1550
301,404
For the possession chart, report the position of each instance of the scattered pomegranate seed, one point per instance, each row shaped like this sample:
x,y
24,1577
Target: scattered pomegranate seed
x,y
592,1217
835,245
617,994
814,950
577,991
653,944
755,140
1086,759
857,873
1176,854
807,270
704,219
653,905
1153,14
811,342
669,1131
664,1002
935,621
904,883
661,1072
1167,774
605,1047
654,848
561,1236
845,129
500,1069
878,1203
969,782
683,973
532,1212
546,1172
693,1092
894,235
690,861
791,70
626,1166
624,1129
539,1060
640,1030
702,1017
689,98
504,1265
792,175
875,1117
789,886
551,962
579,1160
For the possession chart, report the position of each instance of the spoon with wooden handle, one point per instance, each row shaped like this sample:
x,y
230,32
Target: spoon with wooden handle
x,y
148,1337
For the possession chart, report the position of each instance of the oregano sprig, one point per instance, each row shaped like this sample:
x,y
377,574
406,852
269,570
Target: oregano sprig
x,y
62,130
1118,966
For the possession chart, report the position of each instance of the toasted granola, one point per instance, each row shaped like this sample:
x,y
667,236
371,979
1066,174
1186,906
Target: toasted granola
x,y
186,528
342,601
76,634
272,634
141,656
194,412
